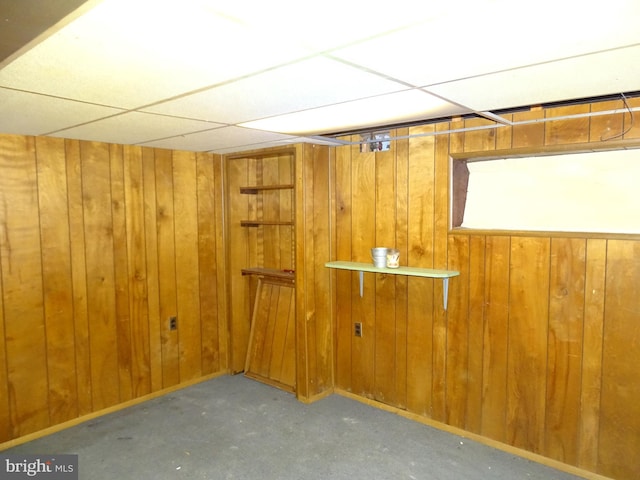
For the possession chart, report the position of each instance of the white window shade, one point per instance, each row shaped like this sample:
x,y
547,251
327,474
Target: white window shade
x,y
581,192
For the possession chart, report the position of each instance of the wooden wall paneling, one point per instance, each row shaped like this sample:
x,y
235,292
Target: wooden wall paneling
x,y
457,336
121,275
286,206
477,265
619,432
385,285
529,132
208,224
343,278
480,139
137,272
318,164
528,335
152,259
504,134
564,364
591,378
271,240
606,127
102,314
56,279
78,277
420,192
363,239
186,263
167,288
574,130
238,208
20,257
444,145
6,430
631,127
496,337
221,285
401,150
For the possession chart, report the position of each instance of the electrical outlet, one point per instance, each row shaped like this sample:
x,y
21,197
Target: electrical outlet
x,y
357,329
173,323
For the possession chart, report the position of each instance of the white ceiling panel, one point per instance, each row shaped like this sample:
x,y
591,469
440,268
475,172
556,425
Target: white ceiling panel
x,y
129,54
218,139
32,114
398,107
279,91
592,75
135,127
487,40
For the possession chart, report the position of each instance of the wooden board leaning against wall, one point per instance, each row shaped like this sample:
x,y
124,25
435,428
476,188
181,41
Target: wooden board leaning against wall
x,y
537,348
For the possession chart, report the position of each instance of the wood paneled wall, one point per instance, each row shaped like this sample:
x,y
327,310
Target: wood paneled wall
x,y
99,245
540,344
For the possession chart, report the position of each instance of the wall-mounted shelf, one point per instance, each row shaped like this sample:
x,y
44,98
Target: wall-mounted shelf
x,y
254,189
362,267
257,223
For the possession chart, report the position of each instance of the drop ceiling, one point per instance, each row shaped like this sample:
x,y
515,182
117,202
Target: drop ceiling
x,y
230,75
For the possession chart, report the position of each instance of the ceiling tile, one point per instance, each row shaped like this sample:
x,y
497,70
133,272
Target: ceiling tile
x,y
218,139
406,106
592,75
31,114
129,54
307,84
495,36
135,127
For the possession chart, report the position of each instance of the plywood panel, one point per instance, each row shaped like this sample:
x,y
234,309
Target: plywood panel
x,y
56,279
528,332
566,316
101,296
572,130
79,277
619,434
187,268
420,335
120,266
167,288
495,337
20,257
137,272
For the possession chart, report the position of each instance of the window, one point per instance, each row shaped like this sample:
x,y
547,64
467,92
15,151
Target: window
x,y
568,192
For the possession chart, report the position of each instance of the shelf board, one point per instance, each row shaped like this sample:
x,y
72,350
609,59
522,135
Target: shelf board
x,y
362,267
257,223
254,189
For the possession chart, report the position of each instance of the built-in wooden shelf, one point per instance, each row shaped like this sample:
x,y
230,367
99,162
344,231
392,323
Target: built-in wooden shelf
x,y
362,267
254,189
257,223
270,272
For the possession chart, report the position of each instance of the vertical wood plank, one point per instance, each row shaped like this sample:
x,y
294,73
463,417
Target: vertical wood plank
x,y
529,133
152,271
619,437
566,314
79,277
56,279
363,238
121,276
457,335
420,190
572,130
496,337
343,285
137,272
186,264
590,391
101,295
6,431
20,257
528,333
220,279
208,219
167,289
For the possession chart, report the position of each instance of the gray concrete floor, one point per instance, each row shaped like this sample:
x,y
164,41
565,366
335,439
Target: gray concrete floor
x,y
236,428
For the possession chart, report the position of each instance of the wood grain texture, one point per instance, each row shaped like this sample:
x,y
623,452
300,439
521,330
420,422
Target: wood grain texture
x,y
86,256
